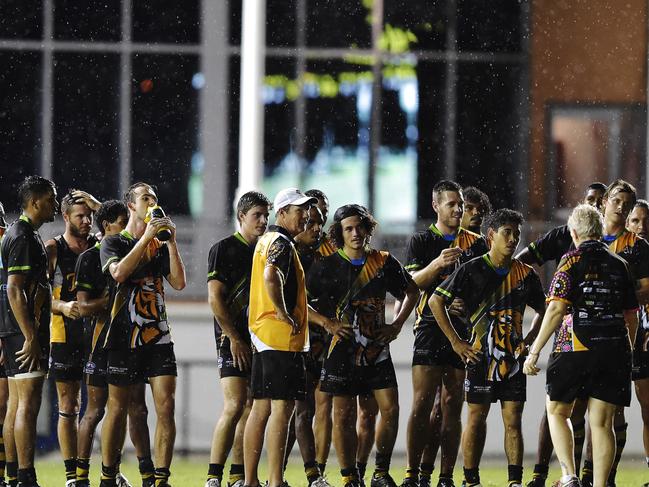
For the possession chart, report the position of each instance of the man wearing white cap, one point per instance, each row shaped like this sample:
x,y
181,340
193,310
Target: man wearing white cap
x,y
278,324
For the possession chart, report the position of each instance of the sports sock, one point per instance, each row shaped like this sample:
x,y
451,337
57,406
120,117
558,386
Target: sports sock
x,y
322,467
70,468
12,472
349,475
236,472
412,473
540,471
382,465
83,468
361,468
312,471
162,475
472,476
426,469
108,472
215,471
147,472
27,476
515,474
587,471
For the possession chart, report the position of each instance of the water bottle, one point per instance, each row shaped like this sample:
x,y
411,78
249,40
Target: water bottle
x,y
164,233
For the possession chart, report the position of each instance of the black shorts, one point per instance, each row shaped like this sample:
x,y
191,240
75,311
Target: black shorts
x,y
601,374
479,390
134,366
278,375
341,376
96,367
431,347
15,343
226,362
66,361
640,365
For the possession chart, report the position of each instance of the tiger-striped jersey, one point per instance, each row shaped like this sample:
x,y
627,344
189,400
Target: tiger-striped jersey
x,y
138,314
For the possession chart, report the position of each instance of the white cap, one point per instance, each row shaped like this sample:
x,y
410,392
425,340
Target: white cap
x,y
291,196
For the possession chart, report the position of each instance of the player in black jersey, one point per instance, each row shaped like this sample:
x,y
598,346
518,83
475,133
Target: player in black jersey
x,y
495,289
66,329
551,247
26,314
228,283
351,286
139,340
322,425
638,223
477,207
93,298
431,257
594,361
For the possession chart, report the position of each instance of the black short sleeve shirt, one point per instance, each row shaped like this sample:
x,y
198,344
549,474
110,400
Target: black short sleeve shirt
x,y
230,262
23,252
138,314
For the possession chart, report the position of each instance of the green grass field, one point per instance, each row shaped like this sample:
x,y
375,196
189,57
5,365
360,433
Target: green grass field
x,y
191,473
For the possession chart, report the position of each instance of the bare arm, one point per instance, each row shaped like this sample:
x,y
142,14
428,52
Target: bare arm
x,y
426,276
535,327
275,287
176,277
90,306
67,308
334,327
122,270
526,257
216,296
30,355
390,332
551,321
461,347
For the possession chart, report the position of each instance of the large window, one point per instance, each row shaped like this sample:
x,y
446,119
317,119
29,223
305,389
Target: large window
x,y
101,94
440,95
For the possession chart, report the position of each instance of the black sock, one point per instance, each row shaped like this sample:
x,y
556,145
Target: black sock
x,y
236,472
27,475
215,471
108,472
349,474
412,473
579,433
426,469
382,464
83,468
12,472
312,471
587,471
70,468
472,476
540,471
515,473
361,467
322,467
145,465
446,475
162,474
